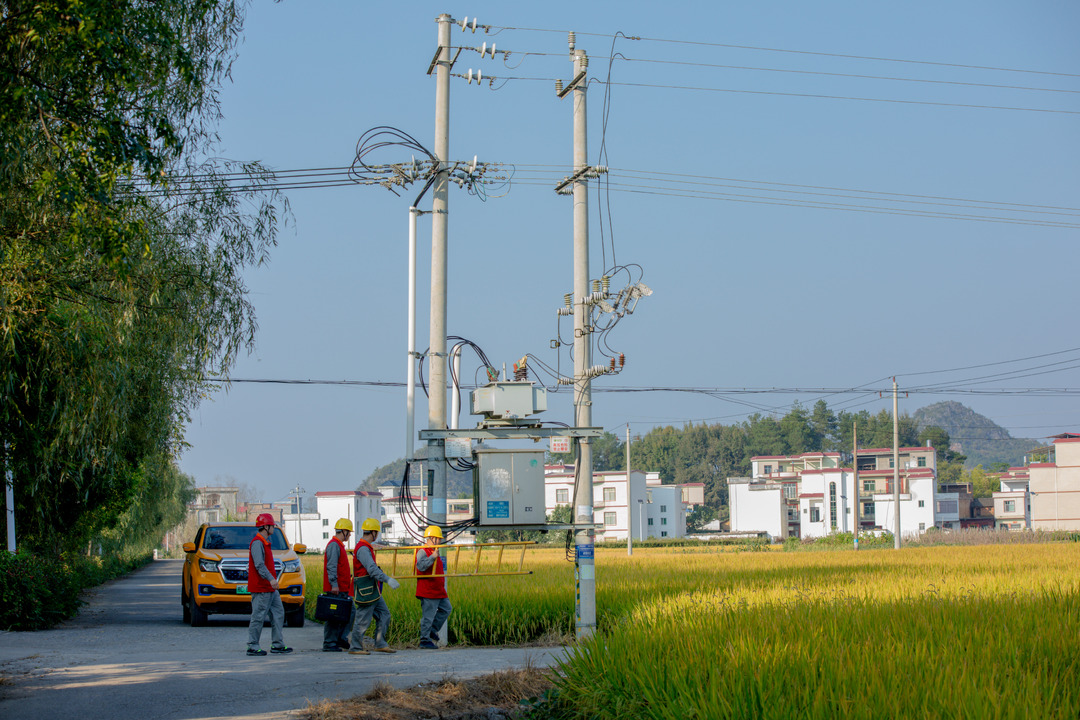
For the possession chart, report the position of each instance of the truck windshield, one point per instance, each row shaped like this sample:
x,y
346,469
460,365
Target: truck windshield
x,y
238,537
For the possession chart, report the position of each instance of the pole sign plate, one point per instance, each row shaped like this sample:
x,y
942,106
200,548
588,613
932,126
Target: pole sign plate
x,y
586,552
560,444
498,509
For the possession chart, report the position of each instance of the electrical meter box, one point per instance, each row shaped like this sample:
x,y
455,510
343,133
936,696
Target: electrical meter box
x,y
510,487
508,400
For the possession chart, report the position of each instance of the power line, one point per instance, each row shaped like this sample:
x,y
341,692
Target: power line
x,y
801,52
669,86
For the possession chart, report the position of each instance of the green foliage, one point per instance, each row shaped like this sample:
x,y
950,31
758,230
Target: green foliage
x,y
121,294
983,484
39,591
699,517
839,541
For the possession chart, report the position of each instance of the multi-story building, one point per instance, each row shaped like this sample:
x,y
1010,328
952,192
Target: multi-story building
x,y
214,504
315,529
623,507
813,494
1054,486
1012,503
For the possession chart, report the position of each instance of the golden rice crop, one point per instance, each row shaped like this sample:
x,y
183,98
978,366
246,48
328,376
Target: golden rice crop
x,y
968,632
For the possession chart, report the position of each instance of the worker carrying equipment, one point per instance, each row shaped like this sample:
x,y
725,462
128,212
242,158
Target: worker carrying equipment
x,y
343,524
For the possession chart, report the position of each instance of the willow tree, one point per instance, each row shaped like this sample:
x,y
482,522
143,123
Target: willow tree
x,y
121,254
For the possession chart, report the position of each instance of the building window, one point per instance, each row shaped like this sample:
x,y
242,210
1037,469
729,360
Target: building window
x,y
789,491
921,462
815,514
326,522
867,509
767,470
663,521
648,496
609,494
868,486
609,519
663,508
326,536
832,504
892,462
1010,506
922,503
663,533
922,526
562,496
650,521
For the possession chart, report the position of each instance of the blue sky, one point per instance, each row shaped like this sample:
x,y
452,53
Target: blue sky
x,y
831,284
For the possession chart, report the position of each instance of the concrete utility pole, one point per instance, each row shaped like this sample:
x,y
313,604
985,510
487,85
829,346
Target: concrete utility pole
x,y
584,540
629,512
855,470
436,465
9,500
896,466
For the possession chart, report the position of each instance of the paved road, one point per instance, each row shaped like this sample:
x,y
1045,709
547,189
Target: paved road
x,y
127,655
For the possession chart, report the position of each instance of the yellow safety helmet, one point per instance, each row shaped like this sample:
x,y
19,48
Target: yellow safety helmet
x,y
343,524
433,531
371,524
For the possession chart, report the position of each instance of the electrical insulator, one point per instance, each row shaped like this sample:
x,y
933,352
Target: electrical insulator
x,y
613,363
606,282
622,359
568,298
558,85
601,169
572,40
468,77
596,286
479,76
474,25
492,51
463,23
584,62
483,51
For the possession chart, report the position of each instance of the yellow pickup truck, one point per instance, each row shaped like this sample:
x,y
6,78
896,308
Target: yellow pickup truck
x,y
216,569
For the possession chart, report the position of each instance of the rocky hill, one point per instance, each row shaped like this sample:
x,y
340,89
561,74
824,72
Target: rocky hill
x,y
983,441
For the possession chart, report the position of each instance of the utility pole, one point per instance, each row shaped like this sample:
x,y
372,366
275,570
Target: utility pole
x,y
299,510
436,466
896,466
9,500
629,511
855,470
584,538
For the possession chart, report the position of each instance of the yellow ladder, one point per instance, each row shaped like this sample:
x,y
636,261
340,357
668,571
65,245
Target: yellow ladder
x,y
453,563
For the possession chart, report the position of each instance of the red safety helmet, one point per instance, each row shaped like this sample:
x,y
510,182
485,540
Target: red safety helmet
x,y
264,520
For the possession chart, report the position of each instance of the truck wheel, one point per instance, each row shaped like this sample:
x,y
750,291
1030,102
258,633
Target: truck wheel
x,y
187,610
295,618
196,615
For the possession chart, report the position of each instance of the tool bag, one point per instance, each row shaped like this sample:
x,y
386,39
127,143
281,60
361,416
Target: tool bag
x,y
332,608
366,590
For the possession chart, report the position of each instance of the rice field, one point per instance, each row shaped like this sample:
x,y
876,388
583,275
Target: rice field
x,y
935,632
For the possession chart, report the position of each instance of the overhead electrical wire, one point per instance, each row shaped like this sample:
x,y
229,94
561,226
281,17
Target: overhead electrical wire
x,y
966,66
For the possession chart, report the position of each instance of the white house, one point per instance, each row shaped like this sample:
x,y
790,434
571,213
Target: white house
x,y
315,529
812,494
621,507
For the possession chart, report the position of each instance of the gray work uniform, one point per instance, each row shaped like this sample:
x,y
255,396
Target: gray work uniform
x,y
378,610
335,634
264,603
433,611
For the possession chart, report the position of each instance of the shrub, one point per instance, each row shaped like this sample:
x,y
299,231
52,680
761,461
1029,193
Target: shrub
x,y
37,592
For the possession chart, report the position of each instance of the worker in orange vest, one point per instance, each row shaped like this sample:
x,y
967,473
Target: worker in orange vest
x,y
368,580
262,583
435,607
337,579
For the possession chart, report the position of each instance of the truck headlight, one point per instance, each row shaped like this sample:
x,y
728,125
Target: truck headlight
x,y
210,566
291,566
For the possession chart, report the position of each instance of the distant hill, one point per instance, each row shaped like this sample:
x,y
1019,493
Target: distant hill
x,y
983,441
